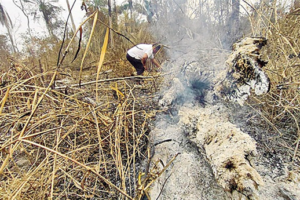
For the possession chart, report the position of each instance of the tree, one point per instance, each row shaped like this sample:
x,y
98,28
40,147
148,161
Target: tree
x,y
149,10
20,5
71,16
235,17
3,48
49,12
107,10
227,15
6,21
130,6
115,13
296,4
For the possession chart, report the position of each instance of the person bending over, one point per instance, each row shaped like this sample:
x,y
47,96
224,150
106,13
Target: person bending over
x,y
139,54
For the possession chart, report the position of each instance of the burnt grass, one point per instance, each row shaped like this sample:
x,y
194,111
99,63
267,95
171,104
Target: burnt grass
x,y
275,150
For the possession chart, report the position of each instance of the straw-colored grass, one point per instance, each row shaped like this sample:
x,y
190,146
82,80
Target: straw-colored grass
x,y
70,142
280,108
61,141
65,144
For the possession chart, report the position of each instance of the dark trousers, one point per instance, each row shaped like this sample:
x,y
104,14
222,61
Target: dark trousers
x,y
137,64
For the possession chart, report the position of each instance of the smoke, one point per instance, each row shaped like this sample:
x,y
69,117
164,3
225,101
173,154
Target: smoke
x,y
196,52
195,46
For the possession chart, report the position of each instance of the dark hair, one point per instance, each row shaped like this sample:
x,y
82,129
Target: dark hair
x,y
157,47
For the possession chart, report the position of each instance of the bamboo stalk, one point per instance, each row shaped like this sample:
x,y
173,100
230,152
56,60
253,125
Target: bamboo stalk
x,y
102,56
4,100
88,45
109,80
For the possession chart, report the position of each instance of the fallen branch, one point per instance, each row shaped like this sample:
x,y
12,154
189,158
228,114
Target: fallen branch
x,y
109,80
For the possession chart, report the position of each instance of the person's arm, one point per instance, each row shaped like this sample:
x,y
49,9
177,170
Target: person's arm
x,y
155,63
144,59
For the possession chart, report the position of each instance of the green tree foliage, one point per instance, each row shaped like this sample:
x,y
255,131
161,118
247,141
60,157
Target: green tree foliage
x,y
50,14
97,4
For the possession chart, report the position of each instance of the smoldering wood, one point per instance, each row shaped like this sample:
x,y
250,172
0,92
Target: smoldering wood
x,y
244,71
230,152
241,75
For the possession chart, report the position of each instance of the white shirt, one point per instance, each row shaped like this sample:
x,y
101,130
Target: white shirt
x,y
139,50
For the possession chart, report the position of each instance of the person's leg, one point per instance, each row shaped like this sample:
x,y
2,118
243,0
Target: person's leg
x,y
139,68
137,64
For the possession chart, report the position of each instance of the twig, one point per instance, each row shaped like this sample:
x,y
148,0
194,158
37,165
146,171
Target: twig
x,y
266,119
163,186
162,171
108,80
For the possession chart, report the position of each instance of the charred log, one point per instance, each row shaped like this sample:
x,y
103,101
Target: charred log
x,y
244,71
229,151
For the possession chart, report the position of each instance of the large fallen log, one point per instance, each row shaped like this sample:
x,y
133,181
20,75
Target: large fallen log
x,y
229,151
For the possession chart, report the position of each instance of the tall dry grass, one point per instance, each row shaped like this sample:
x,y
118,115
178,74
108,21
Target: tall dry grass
x,y
280,107
61,141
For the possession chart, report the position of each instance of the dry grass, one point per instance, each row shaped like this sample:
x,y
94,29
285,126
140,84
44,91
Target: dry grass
x,y
280,107
73,142
65,144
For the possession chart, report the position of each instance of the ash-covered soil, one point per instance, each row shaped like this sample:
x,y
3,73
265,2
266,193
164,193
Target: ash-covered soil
x,y
191,175
274,161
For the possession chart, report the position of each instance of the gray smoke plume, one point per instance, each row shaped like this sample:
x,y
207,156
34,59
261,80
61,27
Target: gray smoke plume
x,y
194,46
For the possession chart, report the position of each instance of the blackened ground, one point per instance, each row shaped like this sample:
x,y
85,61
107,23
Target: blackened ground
x,y
275,152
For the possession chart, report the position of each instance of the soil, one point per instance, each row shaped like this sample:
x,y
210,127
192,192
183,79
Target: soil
x,y
191,176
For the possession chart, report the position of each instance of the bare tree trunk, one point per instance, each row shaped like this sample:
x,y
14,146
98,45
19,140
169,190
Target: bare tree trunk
x,y
5,20
232,22
29,45
71,16
115,10
235,15
11,38
110,23
21,7
295,5
130,10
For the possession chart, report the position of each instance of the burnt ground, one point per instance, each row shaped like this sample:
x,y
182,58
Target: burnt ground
x,y
275,151
274,161
191,177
